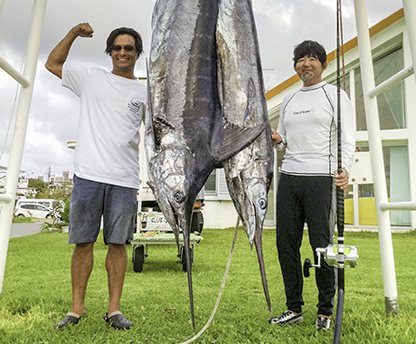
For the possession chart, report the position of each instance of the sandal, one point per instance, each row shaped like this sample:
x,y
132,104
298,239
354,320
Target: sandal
x,y
117,320
70,319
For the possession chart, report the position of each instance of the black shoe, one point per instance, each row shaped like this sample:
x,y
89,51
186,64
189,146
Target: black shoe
x,y
117,321
70,319
287,317
323,323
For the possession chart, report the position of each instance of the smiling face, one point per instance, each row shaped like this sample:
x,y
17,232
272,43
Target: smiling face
x,y
124,59
310,70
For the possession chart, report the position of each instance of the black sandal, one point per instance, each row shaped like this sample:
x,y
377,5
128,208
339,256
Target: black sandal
x,y
117,320
70,319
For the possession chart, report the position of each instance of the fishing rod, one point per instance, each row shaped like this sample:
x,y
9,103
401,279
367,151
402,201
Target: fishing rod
x,y
337,255
340,201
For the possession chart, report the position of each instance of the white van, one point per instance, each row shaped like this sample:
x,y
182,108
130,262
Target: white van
x,y
33,210
48,203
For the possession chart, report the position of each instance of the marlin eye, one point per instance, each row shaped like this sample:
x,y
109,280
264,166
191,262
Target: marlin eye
x,y
179,197
263,203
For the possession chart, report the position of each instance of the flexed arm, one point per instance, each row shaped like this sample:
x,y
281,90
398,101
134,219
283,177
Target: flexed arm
x,y
58,55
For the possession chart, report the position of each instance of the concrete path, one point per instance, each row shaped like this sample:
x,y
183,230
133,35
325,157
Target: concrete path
x,y
24,229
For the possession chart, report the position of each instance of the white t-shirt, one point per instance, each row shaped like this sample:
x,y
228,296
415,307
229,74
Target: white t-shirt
x,y
112,109
307,126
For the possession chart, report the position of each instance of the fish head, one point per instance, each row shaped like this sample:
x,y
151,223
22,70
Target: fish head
x,y
173,188
249,191
256,204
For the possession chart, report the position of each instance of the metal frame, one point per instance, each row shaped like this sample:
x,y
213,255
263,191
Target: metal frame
x,y
27,81
383,206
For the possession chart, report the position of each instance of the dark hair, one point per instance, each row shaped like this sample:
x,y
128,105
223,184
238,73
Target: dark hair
x,y
309,48
124,31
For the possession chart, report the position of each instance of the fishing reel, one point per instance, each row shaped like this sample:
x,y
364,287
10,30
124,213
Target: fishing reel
x,y
339,255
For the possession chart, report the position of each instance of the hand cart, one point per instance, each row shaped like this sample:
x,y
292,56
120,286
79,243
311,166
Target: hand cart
x,y
141,242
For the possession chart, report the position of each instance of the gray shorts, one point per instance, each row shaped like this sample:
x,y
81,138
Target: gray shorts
x,y
90,200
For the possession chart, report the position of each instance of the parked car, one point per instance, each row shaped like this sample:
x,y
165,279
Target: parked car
x,y
33,210
49,203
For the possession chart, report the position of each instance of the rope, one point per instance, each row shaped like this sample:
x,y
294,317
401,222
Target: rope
x,y
221,289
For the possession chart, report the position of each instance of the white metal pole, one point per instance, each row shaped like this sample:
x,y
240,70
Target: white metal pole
x,y
409,7
14,73
356,205
376,154
38,15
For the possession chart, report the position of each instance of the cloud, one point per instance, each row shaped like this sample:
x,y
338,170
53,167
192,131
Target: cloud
x,y
53,116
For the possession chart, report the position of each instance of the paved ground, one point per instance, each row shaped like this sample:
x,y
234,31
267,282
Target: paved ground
x,y
24,229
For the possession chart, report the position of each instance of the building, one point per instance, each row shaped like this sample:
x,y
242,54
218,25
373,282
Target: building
x,y
391,53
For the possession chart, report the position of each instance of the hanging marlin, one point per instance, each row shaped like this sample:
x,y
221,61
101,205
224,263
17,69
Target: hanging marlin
x,y
248,173
186,132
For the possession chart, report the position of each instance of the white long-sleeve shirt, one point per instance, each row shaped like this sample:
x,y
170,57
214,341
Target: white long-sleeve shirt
x,y
307,126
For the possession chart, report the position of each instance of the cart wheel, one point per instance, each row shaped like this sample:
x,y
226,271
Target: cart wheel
x,y
197,222
138,259
183,259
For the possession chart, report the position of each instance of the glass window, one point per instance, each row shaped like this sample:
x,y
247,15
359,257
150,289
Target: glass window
x,y
396,163
391,102
210,184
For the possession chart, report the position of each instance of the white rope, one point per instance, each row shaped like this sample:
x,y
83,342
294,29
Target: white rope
x,y
221,289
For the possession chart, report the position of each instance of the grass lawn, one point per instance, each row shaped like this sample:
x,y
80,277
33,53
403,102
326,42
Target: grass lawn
x,y
37,294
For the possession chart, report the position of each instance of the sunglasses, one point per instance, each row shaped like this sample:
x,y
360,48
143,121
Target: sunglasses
x,y
127,48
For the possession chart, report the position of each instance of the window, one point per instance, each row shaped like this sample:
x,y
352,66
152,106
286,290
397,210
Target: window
x,y
210,184
216,185
396,162
391,102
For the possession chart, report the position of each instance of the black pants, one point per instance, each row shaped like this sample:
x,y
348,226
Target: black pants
x,y
301,199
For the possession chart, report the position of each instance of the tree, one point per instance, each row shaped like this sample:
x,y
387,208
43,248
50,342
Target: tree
x,y
37,184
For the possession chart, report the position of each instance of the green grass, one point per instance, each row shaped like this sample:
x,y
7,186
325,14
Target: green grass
x,y
21,219
37,294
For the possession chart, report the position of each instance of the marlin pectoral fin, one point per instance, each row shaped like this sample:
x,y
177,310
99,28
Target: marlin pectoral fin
x,y
250,93
151,185
236,138
150,132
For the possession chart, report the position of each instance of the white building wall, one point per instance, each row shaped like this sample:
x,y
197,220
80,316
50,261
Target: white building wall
x,y
219,214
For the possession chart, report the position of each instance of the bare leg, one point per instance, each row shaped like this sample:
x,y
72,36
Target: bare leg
x,y
81,267
116,264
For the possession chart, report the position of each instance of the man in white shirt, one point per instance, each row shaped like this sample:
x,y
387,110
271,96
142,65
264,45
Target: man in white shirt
x,y
306,192
106,167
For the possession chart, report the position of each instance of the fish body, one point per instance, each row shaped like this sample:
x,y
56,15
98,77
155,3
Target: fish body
x,y
186,133
248,173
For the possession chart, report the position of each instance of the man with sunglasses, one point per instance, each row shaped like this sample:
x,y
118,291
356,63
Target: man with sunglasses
x,y
106,165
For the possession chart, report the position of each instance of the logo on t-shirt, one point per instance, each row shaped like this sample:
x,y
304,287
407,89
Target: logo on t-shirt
x,y
302,112
135,106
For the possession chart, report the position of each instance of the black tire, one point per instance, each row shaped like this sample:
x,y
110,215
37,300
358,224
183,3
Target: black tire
x,y
138,259
183,259
197,222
